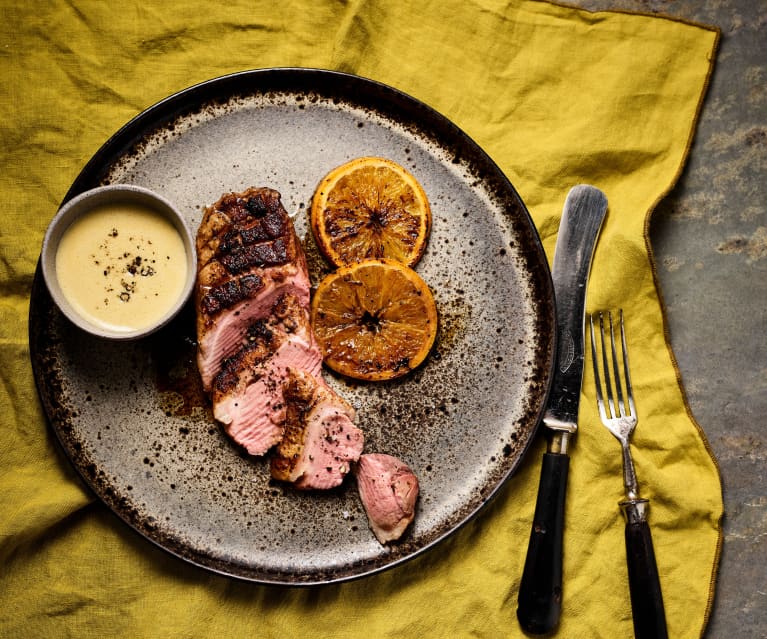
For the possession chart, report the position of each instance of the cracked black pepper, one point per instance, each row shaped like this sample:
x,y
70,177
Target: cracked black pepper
x,y
122,266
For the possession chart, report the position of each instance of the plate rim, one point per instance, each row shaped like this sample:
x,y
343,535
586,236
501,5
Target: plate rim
x,y
190,100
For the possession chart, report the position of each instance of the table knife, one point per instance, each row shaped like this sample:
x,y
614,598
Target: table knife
x,y
540,589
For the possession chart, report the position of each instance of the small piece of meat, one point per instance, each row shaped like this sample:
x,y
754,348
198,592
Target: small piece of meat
x,y
247,392
388,490
320,441
248,258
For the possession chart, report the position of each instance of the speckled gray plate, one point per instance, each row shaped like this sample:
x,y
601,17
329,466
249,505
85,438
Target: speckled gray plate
x,y
134,422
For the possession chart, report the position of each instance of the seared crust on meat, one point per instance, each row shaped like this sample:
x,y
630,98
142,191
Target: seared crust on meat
x,y
249,256
240,235
230,293
298,395
262,339
241,220
320,440
262,342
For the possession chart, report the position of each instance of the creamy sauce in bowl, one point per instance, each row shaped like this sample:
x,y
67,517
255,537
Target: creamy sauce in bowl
x,y
119,261
122,266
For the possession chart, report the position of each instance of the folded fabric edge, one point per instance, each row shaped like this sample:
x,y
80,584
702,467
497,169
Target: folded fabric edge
x,y
666,331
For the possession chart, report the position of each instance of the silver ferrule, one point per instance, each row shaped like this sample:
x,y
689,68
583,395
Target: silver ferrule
x,y
558,442
635,510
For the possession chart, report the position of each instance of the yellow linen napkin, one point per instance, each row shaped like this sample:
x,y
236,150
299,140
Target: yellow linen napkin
x,y
557,96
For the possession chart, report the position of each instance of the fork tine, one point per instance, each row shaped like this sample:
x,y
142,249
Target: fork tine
x,y
597,380
616,368
606,369
626,368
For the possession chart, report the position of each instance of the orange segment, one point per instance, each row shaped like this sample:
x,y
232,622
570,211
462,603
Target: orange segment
x,y
374,320
370,208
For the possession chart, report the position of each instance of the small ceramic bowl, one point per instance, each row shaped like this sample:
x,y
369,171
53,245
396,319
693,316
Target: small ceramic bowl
x,y
82,204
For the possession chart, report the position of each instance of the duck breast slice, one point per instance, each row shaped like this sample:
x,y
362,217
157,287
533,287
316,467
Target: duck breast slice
x,y
320,441
247,394
388,490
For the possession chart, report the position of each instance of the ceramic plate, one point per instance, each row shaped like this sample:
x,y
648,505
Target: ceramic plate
x,y
133,419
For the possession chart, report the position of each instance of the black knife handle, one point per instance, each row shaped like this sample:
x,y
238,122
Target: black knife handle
x,y
540,590
644,583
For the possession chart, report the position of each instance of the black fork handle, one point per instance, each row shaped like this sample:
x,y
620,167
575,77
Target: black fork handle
x,y
644,582
540,590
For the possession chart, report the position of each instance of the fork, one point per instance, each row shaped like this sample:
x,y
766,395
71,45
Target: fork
x,y
620,417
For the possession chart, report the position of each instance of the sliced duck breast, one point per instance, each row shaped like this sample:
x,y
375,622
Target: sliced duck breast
x,y
257,354
248,257
320,441
247,393
388,490
228,332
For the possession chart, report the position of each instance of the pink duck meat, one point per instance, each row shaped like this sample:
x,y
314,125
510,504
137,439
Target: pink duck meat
x,y
389,491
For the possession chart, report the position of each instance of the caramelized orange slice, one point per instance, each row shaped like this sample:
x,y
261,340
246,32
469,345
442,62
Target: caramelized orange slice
x,y
374,320
370,208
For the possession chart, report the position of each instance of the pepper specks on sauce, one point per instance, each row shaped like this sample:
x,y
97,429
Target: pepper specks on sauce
x,y
121,266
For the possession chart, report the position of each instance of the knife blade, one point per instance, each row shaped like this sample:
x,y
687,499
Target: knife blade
x,y
540,589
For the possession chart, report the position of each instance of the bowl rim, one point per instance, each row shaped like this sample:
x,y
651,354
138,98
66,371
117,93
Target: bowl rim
x,y
72,210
